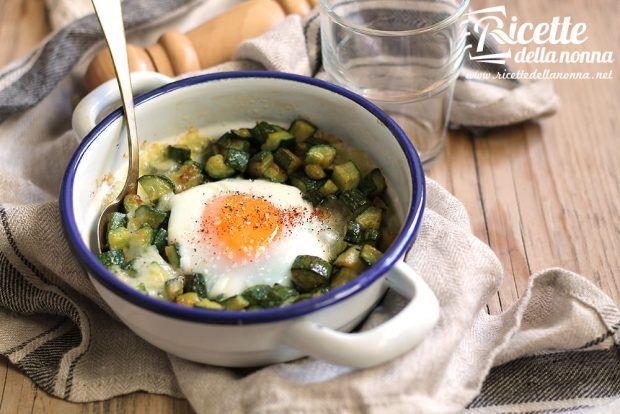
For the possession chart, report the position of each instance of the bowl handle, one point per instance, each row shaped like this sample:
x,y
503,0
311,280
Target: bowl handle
x,y
106,97
378,345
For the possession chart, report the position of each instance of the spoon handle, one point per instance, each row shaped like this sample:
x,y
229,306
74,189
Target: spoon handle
x,y
111,20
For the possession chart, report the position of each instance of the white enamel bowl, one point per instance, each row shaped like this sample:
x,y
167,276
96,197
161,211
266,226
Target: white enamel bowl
x,y
317,327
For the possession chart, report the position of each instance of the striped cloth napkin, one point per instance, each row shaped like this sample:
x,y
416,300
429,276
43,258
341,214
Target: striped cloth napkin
x,y
555,350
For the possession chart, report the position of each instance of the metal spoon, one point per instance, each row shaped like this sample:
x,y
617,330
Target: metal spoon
x,y
111,20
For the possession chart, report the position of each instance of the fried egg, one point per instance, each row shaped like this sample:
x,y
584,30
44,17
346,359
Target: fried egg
x,y
239,233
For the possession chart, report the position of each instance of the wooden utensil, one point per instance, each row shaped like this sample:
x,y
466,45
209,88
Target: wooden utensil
x,y
209,44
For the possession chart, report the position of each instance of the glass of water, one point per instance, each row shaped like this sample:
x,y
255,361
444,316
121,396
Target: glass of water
x,y
403,55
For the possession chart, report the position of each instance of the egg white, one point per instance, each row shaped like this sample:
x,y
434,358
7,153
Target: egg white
x,y
314,236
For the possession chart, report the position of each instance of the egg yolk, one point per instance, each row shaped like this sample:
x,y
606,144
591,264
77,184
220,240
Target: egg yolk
x,y
241,226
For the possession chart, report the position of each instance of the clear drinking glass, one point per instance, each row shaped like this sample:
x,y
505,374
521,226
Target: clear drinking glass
x,y
403,55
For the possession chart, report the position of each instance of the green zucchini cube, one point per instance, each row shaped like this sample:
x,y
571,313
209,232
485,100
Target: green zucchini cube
x,y
217,169
322,155
278,139
197,282
161,239
262,130
355,201
111,258
287,160
236,159
354,233
302,129
256,295
373,184
187,176
179,153
155,187
172,256
370,255
174,287
346,176
236,303
116,220
259,163
310,272
147,214
131,202
370,218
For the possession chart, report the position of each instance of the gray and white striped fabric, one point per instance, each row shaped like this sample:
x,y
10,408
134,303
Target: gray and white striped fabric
x,y
554,351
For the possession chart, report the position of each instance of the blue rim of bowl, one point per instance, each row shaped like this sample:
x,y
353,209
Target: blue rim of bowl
x,y
399,247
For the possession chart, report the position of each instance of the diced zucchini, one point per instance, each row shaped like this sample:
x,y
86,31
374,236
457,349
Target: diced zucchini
x,y
373,184
142,288
301,148
346,176
350,258
174,287
287,160
155,187
259,164
372,237
302,130
187,176
370,218
146,214
197,283
243,133
275,173
314,197
354,200
236,159
179,153
116,220
278,139
143,237
228,141
131,202
322,155
172,256
257,294
236,303
217,168
315,171
112,257
343,276
262,130
266,296
305,184
354,233
370,255
208,304
328,188
119,238
279,294
161,239
310,272
187,299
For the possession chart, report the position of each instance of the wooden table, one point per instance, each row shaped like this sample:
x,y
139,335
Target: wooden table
x,y
541,194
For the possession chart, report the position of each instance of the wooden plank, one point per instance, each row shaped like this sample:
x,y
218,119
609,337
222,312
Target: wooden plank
x,y
137,403
18,394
